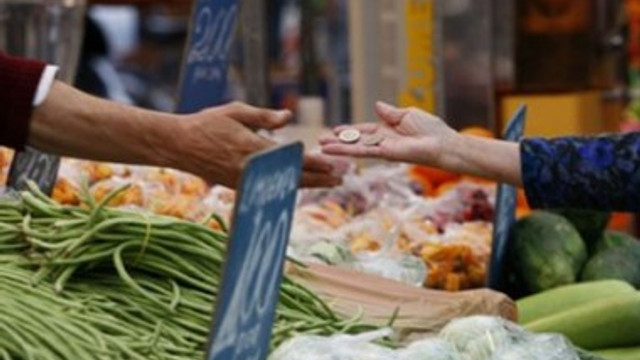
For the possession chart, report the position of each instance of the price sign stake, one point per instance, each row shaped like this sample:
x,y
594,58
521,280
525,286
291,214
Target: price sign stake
x,y
263,214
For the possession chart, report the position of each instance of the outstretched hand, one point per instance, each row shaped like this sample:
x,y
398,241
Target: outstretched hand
x,y
408,135
222,138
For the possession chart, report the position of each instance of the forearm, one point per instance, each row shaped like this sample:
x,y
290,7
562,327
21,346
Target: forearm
x,y
71,123
488,158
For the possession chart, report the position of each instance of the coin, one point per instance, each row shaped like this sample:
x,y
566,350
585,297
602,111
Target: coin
x,y
349,136
373,140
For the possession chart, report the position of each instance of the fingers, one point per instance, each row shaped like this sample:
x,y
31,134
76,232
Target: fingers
x,y
328,138
316,163
360,151
257,118
389,113
367,128
319,180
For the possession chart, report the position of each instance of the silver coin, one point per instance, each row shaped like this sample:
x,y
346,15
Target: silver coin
x,y
373,140
349,136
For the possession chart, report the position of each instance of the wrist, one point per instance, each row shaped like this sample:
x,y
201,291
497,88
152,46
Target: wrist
x,y
451,156
168,141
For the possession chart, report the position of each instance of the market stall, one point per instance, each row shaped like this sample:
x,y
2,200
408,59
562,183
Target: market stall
x,y
133,262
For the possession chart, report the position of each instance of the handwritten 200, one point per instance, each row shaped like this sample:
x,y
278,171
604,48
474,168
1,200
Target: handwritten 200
x,y
213,39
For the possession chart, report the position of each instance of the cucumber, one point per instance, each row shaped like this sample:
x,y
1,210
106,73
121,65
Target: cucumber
x,y
632,353
564,298
607,323
589,355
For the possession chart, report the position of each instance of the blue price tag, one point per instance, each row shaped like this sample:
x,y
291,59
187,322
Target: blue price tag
x,y
263,214
204,72
505,213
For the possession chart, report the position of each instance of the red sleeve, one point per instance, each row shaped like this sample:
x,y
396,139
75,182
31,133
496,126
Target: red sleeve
x,y
19,80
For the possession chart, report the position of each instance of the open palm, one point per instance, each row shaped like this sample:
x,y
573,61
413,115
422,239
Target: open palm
x,y
410,135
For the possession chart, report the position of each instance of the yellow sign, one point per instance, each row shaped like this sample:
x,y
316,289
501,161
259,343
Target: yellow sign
x,y
421,75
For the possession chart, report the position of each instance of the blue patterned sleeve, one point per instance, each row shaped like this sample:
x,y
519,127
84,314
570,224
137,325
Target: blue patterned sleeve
x,y
599,173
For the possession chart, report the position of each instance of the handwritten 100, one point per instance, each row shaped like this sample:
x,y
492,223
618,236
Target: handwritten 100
x,y
267,243
264,205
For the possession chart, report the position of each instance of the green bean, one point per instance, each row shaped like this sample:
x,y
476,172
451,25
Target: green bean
x,y
61,346
122,271
58,286
96,208
177,296
5,354
35,205
20,341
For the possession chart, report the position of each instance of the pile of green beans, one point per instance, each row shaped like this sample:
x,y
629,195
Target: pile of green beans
x,y
93,282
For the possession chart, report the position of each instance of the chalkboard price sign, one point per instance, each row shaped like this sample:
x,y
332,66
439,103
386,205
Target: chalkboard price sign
x,y
505,211
263,214
204,72
33,165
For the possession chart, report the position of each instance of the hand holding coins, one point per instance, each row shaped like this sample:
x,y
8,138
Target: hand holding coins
x,y
354,136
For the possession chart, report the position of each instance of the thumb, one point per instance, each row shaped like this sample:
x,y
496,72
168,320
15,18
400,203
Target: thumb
x,y
277,119
389,113
259,118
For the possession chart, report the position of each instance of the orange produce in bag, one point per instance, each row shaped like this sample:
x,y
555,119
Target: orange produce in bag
x,y
434,176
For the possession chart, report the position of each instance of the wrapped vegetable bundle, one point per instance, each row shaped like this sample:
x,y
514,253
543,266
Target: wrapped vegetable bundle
x,y
90,282
471,338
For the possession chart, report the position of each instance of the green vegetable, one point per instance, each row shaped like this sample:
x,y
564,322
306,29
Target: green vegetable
x,y
612,239
586,355
564,298
590,224
331,253
546,251
621,263
608,323
632,353
478,337
99,283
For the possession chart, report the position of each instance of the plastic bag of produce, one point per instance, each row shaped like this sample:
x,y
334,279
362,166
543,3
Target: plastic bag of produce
x,y
390,184
479,337
392,265
339,347
377,231
430,349
327,252
133,197
538,347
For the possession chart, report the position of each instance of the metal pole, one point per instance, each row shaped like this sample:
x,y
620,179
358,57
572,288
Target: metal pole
x,y
253,19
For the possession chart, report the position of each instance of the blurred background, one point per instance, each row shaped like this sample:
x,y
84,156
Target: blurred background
x,y
574,62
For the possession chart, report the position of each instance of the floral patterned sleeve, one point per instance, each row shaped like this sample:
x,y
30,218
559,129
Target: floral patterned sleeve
x,y
600,173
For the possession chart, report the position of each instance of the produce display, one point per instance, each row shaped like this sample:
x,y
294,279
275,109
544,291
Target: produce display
x,y
123,262
549,250
92,282
378,224
582,281
598,316
416,225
